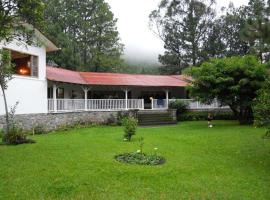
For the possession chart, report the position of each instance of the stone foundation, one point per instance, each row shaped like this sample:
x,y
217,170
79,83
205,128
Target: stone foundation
x,y
54,121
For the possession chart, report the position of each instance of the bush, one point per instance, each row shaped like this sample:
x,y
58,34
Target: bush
x,y
179,105
16,136
261,106
202,115
130,126
39,129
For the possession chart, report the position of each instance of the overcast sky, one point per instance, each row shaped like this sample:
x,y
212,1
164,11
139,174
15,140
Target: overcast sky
x,y
133,26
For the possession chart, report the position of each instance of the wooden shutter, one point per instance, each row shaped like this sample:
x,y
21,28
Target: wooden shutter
x,y
34,66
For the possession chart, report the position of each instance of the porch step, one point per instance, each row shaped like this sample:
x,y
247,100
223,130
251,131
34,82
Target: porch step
x,y
163,117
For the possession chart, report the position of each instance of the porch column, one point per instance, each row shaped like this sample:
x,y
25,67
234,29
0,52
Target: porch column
x,y
167,98
54,98
85,90
126,98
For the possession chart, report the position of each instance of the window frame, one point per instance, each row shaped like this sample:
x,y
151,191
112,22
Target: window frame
x,y
31,63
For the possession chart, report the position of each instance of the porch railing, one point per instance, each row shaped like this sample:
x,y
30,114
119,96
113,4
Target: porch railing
x,y
191,104
159,104
65,105
196,105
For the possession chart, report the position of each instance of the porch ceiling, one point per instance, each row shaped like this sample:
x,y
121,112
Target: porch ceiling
x,y
113,79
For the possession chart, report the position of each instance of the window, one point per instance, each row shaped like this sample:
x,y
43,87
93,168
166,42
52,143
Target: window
x,y
25,64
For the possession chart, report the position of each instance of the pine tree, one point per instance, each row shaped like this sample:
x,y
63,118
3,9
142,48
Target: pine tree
x,y
183,26
86,32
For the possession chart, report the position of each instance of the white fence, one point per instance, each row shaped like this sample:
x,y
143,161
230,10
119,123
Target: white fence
x,y
196,105
191,104
65,105
159,104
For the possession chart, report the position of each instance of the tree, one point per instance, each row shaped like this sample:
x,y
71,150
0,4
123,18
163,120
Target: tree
x,y
234,82
257,28
86,32
13,16
261,106
224,37
183,25
6,70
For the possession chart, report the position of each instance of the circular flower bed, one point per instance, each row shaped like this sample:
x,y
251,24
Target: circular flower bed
x,y
140,159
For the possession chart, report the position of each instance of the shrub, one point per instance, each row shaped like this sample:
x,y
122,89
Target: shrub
x,y
130,126
179,105
120,117
16,136
202,115
267,134
261,106
39,129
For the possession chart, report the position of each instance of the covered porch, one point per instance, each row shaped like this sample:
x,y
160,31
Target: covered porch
x,y
70,91
68,97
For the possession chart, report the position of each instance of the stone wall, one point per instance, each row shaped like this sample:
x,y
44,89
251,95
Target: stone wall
x,y
53,121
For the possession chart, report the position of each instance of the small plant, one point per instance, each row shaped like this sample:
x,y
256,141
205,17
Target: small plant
x,y
267,134
130,126
16,136
139,157
39,129
141,143
179,105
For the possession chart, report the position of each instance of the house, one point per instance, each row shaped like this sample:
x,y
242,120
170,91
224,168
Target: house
x,y
41,89
55,96
29,83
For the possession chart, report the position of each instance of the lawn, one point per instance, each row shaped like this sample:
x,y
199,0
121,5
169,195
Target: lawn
x,y
226,162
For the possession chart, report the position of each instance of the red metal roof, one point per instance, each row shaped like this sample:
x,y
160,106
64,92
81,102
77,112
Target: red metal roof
x,y
64,75
96,78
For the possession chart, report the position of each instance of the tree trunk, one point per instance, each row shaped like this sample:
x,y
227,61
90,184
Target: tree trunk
x,y
235,111
7,116
246,116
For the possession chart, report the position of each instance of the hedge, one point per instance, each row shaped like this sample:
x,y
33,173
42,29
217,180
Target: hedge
x,y
202,115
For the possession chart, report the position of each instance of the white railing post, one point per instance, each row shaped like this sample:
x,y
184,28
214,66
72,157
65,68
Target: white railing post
x,y
152,103
54,98
126,98
167,99
85,98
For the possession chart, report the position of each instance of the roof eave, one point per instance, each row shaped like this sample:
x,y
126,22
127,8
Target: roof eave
x,y
49,45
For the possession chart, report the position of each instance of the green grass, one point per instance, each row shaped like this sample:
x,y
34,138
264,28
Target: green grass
x,y
226,162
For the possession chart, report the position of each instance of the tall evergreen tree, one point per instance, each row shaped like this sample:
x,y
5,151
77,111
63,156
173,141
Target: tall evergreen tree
x,y
225,38
86,32
257,28
183,25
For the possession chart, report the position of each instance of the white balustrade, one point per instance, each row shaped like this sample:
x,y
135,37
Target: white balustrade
x,y
70,105
65,105
196,105
158,104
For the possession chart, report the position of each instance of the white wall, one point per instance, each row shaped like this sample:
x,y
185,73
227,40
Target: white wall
x,y
30,92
